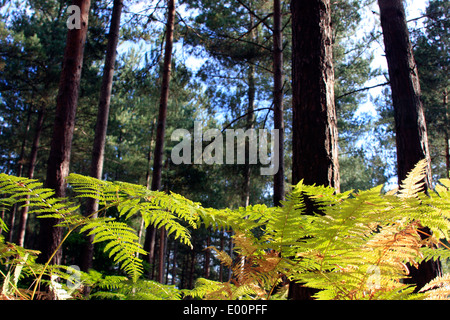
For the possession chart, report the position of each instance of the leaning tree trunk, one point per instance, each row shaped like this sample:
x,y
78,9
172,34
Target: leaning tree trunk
x,y
161,127
314,133
98,150
410,126
61,145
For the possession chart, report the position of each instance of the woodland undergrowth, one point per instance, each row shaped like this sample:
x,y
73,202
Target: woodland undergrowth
x,y
356,246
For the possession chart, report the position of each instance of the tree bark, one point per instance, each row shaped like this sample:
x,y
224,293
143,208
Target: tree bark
x,y
314,140
161,127
278,182
66,106
410,126
98,150
315,148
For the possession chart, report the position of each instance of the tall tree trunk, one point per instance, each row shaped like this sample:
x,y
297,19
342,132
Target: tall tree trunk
x,y
315,149
278,182
66,106
31,167
98,150
161,127
410,126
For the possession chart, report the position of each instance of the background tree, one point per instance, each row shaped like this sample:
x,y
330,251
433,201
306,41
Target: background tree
x,y
98,149
431,52
160,129
278,183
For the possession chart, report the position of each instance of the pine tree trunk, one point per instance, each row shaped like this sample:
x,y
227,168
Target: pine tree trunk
x,y
161,127
66,106
278,182
315,149
410,126
31,166
98,150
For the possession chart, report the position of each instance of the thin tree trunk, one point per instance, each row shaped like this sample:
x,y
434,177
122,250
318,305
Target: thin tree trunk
x,y
207,254
2,217
149,155
66,106
410,126
278,182
161,127
447,136
150,237
314,137
164,98
167,245
222,247
174,262
20,161
31,166
98,150
191,270
249,125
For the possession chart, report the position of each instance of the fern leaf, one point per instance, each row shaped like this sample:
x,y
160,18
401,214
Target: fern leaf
x,y
414,182
123,245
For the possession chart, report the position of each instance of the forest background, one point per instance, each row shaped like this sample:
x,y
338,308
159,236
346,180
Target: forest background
x,y
222,76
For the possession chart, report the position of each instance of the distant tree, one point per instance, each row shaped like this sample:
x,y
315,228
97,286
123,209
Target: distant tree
x,y
278,183
161,126
431,52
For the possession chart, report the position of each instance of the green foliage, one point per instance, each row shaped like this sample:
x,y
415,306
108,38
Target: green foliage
x,y
354,245
156,208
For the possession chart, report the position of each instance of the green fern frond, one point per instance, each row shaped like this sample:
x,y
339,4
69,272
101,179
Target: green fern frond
x,y
156,208
122,243
40,200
